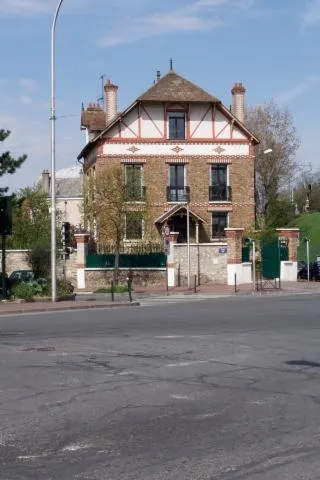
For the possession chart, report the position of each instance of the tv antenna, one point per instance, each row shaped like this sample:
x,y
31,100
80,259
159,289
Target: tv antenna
x,y
100,99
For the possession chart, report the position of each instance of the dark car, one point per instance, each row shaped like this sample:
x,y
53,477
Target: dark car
x,y
314,272
7,286
21,276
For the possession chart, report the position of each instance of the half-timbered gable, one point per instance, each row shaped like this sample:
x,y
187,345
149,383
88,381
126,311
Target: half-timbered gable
x,y
189,147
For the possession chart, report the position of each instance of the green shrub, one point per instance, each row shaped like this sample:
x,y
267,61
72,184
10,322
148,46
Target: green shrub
x,y
39,259
24,290
64,287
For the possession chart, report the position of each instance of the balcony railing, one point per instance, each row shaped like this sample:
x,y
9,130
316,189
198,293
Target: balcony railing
x,y
178,194
220,193
135,193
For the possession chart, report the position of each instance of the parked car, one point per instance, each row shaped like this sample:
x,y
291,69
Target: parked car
x,y
314,272
7,286
21,276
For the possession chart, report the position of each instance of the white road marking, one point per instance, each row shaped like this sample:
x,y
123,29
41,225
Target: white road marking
x,y
165,337
186,364
75,447
28,457
204,416
181,397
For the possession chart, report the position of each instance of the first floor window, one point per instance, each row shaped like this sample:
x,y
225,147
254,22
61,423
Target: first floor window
x,y
219,223
133,178
134,226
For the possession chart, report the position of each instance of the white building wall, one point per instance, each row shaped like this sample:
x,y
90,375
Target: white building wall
x,y
152,121
130,127
165,149
236,133
221,127
201,121
70,209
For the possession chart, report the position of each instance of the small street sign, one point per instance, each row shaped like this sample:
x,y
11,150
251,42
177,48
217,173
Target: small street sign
x,y
166,231
166,245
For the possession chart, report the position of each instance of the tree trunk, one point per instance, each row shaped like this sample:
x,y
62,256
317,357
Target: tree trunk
x,y
116,267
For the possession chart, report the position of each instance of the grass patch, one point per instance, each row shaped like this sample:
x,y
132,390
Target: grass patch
x,y
118,289
309,225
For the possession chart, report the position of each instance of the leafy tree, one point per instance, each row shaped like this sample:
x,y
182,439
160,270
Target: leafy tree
x,y
275,129
30,220
110,210
8,164
280,213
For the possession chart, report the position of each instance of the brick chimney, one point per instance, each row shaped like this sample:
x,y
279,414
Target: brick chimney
x,y
45,181
111,100
238,92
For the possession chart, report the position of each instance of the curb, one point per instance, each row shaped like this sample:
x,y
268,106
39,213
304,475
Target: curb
x,y
63,308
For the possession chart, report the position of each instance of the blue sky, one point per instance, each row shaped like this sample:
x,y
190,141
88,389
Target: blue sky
x,y
271,46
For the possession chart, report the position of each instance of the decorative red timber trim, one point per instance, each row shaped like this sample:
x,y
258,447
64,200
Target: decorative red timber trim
x,y
177,160
119,128
209,158
201,120
124,123
220,207
219,160
213,116
223,129
165,135
139,120
152,121
231,128
133,160
200,141
188,123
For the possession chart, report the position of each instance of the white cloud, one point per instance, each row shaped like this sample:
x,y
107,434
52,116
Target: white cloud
x,y
311,15
28,85
299,89
197,16
25,7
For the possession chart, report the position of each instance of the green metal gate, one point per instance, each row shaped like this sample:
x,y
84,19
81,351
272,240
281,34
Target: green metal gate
x,y
273,252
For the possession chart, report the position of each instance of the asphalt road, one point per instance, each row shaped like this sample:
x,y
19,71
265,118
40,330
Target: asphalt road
x,y
214,389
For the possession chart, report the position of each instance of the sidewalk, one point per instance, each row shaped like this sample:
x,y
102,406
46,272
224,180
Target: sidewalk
x,y
8,308
299,287
103,301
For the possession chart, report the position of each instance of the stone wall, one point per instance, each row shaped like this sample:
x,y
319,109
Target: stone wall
x,y
17,260
207,260
101,278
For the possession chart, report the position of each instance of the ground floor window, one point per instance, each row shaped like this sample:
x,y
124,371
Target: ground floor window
x,y
219,223
134,226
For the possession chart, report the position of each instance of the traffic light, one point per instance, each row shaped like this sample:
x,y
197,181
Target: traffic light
x,y
66,234
5,215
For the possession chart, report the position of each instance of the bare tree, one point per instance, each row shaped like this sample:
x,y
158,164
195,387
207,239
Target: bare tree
x,y
111,209
277,134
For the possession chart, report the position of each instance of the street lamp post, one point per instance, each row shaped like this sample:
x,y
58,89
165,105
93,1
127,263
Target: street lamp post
x,y
53,158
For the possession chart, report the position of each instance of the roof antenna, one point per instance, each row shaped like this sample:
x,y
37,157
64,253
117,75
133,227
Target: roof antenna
x,y
171,65
101,99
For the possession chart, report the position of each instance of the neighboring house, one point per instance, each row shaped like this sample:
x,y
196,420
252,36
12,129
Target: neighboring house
x,y
69,195
185,147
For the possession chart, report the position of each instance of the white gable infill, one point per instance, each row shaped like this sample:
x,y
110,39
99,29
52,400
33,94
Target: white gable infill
x,y
128,126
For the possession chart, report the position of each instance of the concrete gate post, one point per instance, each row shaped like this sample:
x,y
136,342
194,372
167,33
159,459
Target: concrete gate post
x,y
170,259
289,268
82,240
234,256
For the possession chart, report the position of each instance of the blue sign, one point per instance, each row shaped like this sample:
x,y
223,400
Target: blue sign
x,y
223,250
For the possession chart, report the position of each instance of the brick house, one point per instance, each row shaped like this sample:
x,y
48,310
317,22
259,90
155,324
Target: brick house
x,y
178,144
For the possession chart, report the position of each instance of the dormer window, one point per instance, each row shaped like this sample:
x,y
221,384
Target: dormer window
x,y
177,125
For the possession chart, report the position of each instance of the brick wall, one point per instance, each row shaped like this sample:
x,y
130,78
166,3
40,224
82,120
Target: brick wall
x,y
155,172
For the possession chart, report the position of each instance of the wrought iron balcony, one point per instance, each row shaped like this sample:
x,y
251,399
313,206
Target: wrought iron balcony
x,y
220,193
135,193
178,194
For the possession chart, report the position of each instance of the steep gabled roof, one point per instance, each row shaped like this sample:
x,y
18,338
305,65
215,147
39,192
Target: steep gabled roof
x,y
174,88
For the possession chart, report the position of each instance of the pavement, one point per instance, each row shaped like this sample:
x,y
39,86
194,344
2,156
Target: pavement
x,y
222,389
153,295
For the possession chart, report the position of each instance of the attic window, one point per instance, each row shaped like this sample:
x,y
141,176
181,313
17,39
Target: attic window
x,y
177,126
